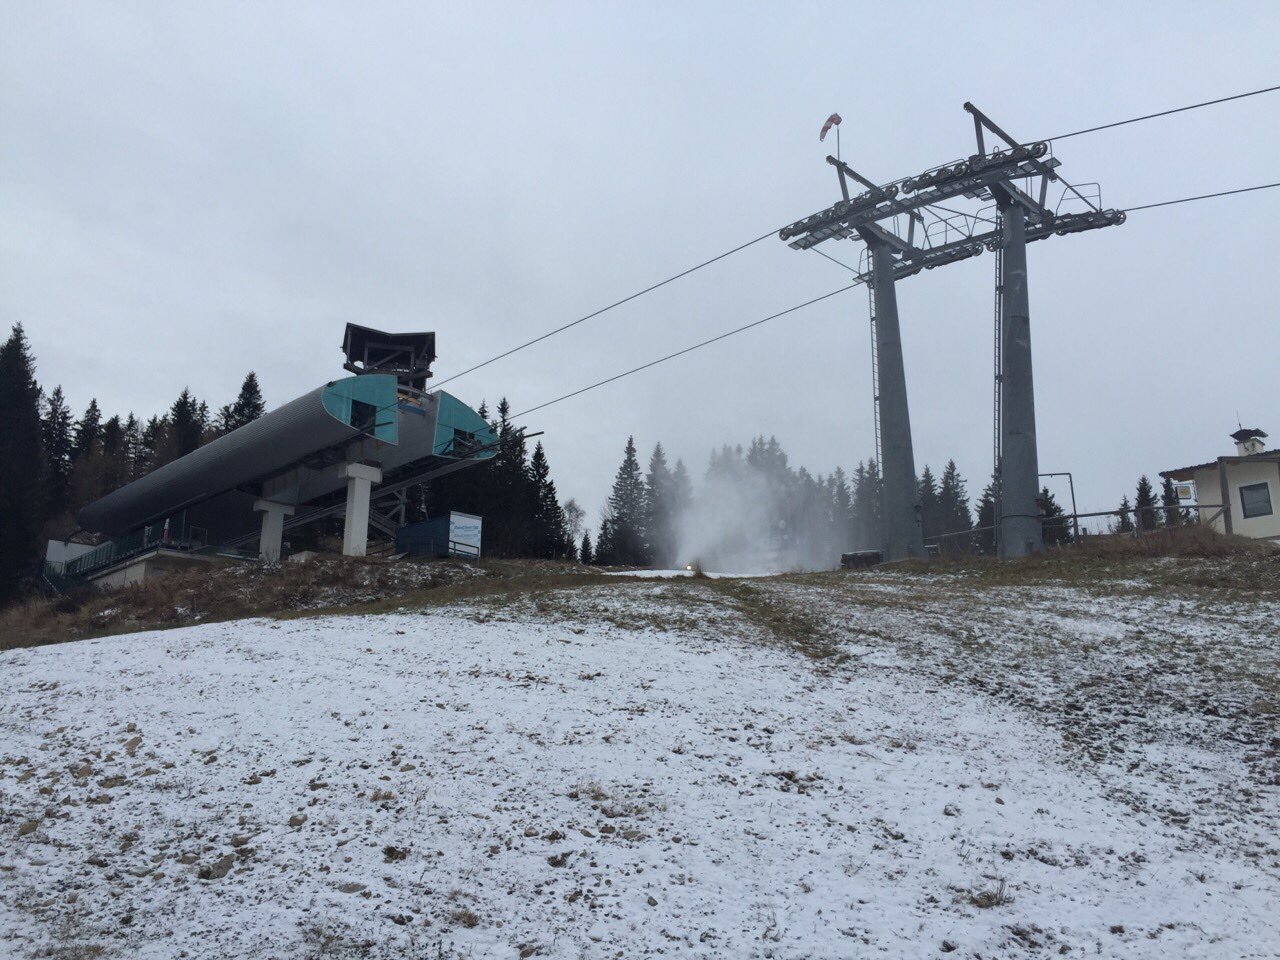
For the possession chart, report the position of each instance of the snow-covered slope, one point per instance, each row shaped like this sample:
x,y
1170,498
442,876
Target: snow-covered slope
x,y
615,772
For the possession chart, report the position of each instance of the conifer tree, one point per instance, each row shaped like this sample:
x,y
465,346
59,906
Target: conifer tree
x,y
1171,515
604,553
868,530
22,468
247,406
953,508
57,433
88,431
1143,503
186,424
151,447
681,508
115,457
132,446
510,492
88,475
841,512
625,527
726,463
807,531
930,520
1124,523
585,554
984,533
547,526
659,520
857,491
202,417
1053,521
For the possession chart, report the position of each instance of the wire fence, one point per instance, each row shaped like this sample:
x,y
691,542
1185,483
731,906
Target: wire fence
x,y
1136,521
1061,529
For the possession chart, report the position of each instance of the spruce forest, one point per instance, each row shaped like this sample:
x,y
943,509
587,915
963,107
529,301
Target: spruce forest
x,y
750,501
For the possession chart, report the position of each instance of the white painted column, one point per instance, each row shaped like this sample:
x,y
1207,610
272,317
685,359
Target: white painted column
x,y
355,531
272,536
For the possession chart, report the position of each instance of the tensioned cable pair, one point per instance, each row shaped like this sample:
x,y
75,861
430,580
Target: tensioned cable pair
x,y
706,263
825,296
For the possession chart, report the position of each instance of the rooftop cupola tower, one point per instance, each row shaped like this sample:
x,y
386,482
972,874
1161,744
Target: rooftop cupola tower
x,y
406,356
1249,441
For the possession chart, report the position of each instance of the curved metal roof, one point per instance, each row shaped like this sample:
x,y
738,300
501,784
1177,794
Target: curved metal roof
x,y
329,416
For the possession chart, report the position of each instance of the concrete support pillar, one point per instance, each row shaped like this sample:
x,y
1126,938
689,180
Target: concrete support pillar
x,y
272,536
355,531
903,536
1018,530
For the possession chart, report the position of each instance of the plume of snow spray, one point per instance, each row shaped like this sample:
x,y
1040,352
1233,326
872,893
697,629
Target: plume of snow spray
x,y
754,514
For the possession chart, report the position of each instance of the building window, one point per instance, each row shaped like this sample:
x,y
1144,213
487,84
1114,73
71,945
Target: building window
x,y
364,416
1255,500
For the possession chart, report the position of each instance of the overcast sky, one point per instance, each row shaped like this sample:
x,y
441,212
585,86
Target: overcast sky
x,y
189,191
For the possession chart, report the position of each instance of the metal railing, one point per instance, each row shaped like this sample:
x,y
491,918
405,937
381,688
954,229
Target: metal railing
x,y
166,533
1133,521
1142,520
468,550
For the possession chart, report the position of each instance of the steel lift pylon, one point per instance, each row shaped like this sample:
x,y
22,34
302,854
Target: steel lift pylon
x,y
911,225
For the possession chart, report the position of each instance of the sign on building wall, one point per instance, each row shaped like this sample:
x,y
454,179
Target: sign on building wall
x,y
464,533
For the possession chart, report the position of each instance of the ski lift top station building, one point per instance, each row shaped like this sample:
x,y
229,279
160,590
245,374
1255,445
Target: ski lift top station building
x,y
351,446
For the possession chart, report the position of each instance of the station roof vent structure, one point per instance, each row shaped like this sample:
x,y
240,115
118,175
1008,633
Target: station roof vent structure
x,y
408,356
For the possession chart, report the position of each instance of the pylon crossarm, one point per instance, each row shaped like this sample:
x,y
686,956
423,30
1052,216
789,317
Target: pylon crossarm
x,y
969,178
1008,193
983,176
981,120
873,232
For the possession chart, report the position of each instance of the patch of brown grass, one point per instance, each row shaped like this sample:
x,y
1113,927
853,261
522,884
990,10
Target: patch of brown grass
x,y
989,897
228,591
1189,559
508,579
1194,540
781,619
72,951
589,790
1193,559
465,917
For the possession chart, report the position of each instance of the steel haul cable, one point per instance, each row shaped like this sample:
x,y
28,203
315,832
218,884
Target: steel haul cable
x,y
1163,113
690,349
616,303
1203,196
706,263
807,303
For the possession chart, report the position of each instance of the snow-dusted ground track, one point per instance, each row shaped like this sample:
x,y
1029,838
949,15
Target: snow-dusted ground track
x,y
877,770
